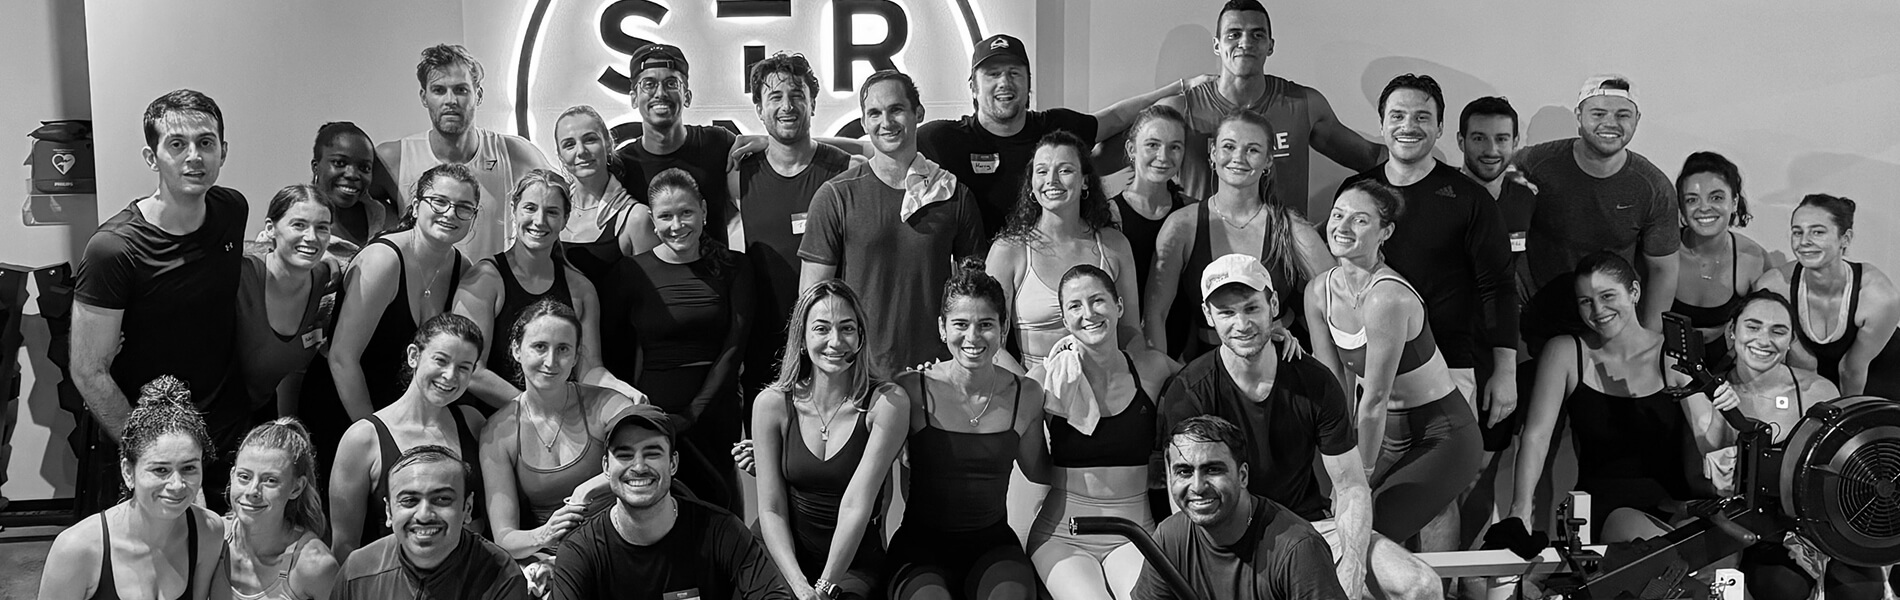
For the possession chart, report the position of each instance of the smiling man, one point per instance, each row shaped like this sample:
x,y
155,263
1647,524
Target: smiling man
x,y
429,553
662,91
654,545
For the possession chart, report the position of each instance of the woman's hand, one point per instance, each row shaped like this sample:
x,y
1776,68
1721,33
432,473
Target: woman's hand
x,y
1725,397
564,520
742,456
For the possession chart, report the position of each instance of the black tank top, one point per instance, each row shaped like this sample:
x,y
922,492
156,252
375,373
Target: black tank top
x,y
1629,450
1143,233
1828,354
817,485
959,482
387,350
1188,299
108,588
594,259
374,523
1714,352
514,300
1120,440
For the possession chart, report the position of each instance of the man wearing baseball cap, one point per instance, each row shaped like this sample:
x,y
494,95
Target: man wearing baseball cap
x,y
1291,411
661,92
653,544
1595,194
989,151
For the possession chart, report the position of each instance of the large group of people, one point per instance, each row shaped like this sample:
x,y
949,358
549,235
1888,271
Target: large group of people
x,y
1270,393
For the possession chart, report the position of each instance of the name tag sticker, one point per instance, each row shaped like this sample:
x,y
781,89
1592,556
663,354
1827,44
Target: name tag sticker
x,y
313,338
688,594
984,164
1517,241
798,224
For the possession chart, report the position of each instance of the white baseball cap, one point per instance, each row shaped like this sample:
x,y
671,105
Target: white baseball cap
x,y
1607,84
1235,268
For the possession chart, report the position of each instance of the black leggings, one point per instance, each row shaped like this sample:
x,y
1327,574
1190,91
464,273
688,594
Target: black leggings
x,y
1431,453
1772,573
970,565
705,448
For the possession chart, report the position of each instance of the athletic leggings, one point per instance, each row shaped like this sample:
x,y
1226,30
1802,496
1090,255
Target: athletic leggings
x,y
970,565
1430,455
1086,566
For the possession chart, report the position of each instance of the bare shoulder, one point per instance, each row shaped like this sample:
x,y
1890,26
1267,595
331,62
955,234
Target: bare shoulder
x,y
1876,287
1775,279
210,530
315,563
1814,387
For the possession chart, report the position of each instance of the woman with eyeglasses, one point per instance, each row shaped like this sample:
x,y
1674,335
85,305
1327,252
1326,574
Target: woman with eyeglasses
x,y
398,281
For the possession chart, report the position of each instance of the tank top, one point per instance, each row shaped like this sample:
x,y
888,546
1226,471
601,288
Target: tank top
x,y
817,485
1039,307
1120,440
388,346
265,356
1284,104
514,300
1187,299
593,257
1828,354
1352,345
1143,233
1712,317
494,174
1629,449
960,481
545,490
108,588
374,523
279,589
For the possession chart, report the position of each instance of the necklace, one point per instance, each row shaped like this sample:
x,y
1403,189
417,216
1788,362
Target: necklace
x,y
824,428
1243,224
989,398
428,285
547,440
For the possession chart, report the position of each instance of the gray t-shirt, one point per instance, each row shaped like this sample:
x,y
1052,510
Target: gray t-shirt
x,y
897,267
1578,214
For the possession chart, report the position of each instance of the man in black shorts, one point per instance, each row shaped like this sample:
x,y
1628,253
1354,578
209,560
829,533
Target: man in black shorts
x,y
154,296
430,553
1597,195
1291,412
989,151
652,544
1229,543
661,93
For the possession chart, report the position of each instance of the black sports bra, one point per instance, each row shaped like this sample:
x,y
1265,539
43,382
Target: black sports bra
x,y
1120,440
109,589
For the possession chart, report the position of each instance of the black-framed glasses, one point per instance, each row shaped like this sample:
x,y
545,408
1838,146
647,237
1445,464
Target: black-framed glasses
x,y
442,205
649,84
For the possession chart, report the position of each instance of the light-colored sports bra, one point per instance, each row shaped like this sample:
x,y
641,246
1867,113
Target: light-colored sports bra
x,y
1352,345
1039,308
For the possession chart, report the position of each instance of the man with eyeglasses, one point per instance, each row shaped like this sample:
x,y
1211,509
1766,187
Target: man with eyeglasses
x,y
661,92
451,81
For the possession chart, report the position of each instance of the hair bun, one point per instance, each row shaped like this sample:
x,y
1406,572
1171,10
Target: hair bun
x,y
972,263
165,389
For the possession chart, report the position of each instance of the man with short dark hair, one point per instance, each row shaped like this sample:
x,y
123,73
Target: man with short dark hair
x,y
662,90
891,229
1229,543
154,294
430,553
652,544
1487,137
451,82
1293,413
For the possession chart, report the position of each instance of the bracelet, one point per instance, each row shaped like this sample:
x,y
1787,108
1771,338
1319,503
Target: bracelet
x,y
826,588
1183,82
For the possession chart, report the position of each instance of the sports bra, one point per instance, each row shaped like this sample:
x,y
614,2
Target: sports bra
x,y
1828,354
1120,440
514,300
545,490
108,588
1039,307
1715,317
375,523
816,485
279,589
1352,345
960,481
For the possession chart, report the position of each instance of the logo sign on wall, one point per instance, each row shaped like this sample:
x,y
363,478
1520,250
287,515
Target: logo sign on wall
x,y
574,52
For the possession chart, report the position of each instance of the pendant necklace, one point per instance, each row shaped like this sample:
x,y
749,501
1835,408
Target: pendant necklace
x,y
824,428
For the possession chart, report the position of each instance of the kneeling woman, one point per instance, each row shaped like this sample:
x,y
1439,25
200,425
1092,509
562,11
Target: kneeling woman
x,y
276,550
1845,311
1101,423
821,502
442,360
166,546
1378,333
973,421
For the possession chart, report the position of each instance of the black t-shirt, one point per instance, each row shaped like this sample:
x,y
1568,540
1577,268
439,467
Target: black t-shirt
x,y
709,553
773,213
1518,204
1453,247
703,156
1281,557
1304,415
179,294
992,166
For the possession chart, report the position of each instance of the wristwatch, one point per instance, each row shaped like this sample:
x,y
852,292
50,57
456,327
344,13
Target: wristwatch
x,y
826,588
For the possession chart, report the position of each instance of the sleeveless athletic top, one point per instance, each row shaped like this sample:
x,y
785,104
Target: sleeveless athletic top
x,y
265,356
1829,354
109,588
1120,440
1039,307
279,589
960,481
1143,233
1188,299
515,299
374,525
1708,317
1629,450
1352,345
593,257
545,490
817,485
388,346
494,174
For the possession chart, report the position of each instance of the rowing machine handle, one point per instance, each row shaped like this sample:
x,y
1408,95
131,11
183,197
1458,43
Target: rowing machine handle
x,y
1143,543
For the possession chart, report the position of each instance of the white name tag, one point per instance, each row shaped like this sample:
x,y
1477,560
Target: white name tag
x,y
1517,241
984,164
798,224
313,338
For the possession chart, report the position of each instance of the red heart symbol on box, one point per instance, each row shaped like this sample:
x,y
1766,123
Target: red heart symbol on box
x,y
63,161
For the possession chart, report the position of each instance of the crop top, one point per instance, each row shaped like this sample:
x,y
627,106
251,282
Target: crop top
x,y
1352,346
1120,440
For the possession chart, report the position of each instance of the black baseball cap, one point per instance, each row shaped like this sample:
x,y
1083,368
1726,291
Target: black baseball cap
x,y
999,46
657,56
643,415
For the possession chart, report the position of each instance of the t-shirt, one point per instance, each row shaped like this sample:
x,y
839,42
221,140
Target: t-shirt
x,y
993,166
1453,248
1288,106
178,294
1577,214
774,212
703,156
1304,415
1281,557
476,570
709,555
897,267
1518,204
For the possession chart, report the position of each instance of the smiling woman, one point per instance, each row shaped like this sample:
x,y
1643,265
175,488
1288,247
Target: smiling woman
x,y
280,316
